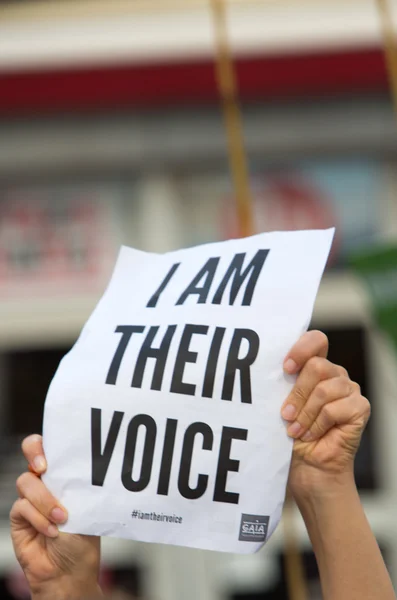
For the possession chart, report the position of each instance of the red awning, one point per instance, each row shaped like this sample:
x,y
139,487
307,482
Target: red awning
x,y
260,78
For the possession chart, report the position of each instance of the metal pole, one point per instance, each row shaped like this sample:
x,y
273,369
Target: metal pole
x,y
390,47
227,83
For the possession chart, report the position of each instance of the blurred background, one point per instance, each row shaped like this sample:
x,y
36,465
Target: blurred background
x,y
111,133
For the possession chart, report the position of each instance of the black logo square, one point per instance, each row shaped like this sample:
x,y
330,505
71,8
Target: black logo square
x,y
253,528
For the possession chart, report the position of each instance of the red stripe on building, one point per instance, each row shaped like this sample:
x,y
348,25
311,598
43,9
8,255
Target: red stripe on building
x,y
260,78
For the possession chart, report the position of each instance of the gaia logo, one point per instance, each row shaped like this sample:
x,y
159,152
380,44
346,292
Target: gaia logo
x,y
253,528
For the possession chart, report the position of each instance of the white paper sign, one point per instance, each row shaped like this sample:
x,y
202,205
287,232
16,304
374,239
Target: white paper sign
x,y
163,422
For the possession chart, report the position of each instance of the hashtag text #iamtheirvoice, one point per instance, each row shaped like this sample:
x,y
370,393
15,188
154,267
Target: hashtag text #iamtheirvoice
x,y
160,517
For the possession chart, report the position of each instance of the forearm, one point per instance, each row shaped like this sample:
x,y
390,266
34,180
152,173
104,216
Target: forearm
x,y
350,563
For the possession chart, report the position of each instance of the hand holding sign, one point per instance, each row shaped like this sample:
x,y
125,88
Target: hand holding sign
x,y
51,561
326,415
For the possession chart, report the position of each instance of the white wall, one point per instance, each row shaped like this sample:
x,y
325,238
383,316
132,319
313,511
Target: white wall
x,y
49,34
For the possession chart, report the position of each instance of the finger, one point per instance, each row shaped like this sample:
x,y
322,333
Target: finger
x,y
315,370
354,409
325,392
34,490
32,448
24,512
312,343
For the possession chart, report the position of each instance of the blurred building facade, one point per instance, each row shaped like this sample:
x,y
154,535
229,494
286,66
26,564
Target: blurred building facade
x,y
110,133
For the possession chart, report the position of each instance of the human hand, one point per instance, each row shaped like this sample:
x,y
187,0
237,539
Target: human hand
x,y
56,565
326,415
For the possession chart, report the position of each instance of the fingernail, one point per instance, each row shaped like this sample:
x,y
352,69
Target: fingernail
x,y
40,464
58,515
289,412
295,429
307,437
52,531
290,366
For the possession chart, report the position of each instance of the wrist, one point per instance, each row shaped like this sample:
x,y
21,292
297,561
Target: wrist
x,y
319,487
324,505
67,588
